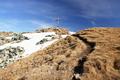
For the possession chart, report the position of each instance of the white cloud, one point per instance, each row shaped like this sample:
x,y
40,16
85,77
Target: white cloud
x,y
6,27
94,8
22,25
40,24
27,6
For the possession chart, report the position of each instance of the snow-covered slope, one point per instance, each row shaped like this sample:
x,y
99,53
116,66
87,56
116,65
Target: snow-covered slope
x,y
70,32
30,45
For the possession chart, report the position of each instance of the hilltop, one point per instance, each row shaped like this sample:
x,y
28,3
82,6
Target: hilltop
x,y
57,30
91,54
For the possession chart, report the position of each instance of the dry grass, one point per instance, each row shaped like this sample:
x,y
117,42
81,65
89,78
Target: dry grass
x,y
58,61
59,31
5,34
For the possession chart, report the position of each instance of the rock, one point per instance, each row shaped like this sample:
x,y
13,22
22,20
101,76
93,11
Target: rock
x,y
42,41
91,54
18,37
49,35
9,54
47,38
1,60
3,40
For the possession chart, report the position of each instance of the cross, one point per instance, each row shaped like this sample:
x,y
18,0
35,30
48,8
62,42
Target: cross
x,y
58,20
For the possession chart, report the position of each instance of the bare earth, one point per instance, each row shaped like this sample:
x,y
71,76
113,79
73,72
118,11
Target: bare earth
x,y
92,54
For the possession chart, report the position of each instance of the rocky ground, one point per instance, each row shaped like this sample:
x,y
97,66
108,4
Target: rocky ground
x,y
17,47
92,54
3,39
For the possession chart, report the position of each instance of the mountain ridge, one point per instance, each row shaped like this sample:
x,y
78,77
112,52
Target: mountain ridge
x,y
91,54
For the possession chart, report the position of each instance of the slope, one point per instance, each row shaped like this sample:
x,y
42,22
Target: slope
x,y
92,54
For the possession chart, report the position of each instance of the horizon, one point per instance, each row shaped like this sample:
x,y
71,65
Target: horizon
x,y
28,15
58,27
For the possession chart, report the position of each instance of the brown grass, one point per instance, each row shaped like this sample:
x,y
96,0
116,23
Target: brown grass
x,y
63,61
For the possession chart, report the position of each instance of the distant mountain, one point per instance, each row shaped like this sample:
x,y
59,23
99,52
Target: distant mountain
x,y
91,54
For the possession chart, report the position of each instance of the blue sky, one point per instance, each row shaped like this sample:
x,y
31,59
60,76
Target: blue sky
x,y
28,15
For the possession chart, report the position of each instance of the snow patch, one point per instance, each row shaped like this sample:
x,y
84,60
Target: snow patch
x,y
71,32
30,45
